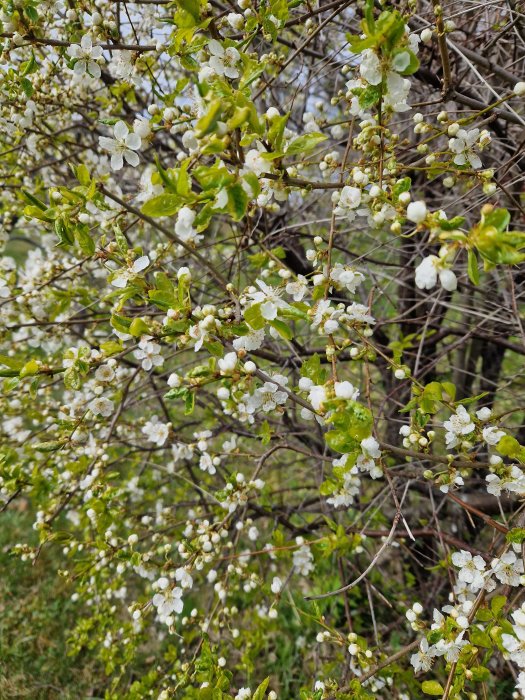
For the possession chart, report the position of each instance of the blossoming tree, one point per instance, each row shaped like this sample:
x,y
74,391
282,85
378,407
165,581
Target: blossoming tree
x,y
262,345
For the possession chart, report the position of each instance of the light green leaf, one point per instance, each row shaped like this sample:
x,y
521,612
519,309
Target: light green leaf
x,y
432,688
304,144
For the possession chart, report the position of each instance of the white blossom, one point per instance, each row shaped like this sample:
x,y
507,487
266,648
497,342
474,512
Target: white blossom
x,y
302,558
223,61
508,568
156,432
122,147
86,56
149,353
122,277
463,146
100,406
471,569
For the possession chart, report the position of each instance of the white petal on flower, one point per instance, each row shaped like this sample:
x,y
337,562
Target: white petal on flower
x,y
120,130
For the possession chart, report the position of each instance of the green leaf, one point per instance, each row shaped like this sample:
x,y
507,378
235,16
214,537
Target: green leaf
x,y
120,323
282,328
499,218
31,12
303,144
162,205
34,200
480,674
370,96
208,122
276,131
72,379
189,403
516,535
432,688
413,62
254,318
86,243
279,9
472,267
111,347
451,224
237,201
27,86
49,446
30,369
312,369
265,433
498,603
30,66
480,638
138,327
82,175
11,362
253,182
191,8
261,690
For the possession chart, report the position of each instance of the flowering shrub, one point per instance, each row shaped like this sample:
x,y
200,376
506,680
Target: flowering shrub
x,y
261,344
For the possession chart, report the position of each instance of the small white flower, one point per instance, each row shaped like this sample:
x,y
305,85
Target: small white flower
x,y
417,211
235,20
302,558
156,432
350,197
346,277
451,650
298,288
472,569
255,163
346,390
185,578
100,406
223,61
426,272
520,685
317,396
370,67
251,341
460,423
448,280
269,396
122,147
359,312
277,585
86,56
124,276
515,646
463,146
484,413
227,363
270,300
184,226
149,353
170,600
492,435
104,373
370,447
508,568
423,659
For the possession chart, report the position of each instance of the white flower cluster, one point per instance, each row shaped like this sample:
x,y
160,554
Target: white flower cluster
x,y
514,644
464,143
373,72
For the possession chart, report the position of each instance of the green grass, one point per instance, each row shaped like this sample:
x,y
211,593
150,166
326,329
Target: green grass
x,y
36,613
